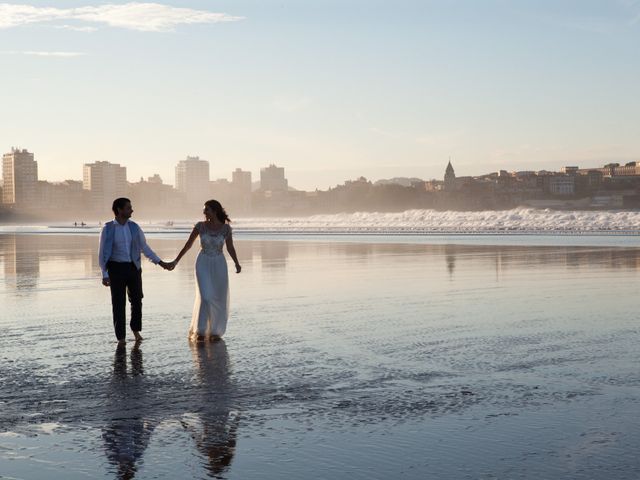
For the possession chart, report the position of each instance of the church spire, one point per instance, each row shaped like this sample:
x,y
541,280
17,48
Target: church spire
x,y
449,169
449,177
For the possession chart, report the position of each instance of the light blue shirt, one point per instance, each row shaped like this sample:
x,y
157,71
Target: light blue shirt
x,y
121,248
121,251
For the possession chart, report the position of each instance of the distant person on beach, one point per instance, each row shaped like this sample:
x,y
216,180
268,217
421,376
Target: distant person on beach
x,y
211,307
121,243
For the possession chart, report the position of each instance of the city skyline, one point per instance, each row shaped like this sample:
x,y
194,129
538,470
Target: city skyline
x,y
203,173
332,91
595,187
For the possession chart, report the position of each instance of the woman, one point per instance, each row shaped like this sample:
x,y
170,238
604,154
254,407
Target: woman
x,y
211,308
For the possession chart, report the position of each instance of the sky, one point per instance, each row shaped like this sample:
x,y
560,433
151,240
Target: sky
x,y
330,90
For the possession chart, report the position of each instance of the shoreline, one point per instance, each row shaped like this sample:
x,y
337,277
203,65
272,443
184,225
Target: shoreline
x,y
522,239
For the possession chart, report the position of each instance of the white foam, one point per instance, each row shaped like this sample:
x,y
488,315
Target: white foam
x,y
519,220
49,428
516,220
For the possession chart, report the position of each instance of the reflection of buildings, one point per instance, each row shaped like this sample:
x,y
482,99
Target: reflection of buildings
x,y
503,258
19,177
25,257
91,261
21,258
360,250
127,434
274,254
214,429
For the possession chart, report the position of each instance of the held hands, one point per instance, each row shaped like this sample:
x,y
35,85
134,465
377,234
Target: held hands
x,y
106,282
168,266
171,265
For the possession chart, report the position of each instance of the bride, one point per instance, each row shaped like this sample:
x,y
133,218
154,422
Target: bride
x,y
211,307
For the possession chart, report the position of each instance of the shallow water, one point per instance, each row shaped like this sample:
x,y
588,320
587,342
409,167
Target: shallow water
x,y
343,359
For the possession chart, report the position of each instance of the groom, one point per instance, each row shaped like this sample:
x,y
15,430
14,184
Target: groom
x,y
121,242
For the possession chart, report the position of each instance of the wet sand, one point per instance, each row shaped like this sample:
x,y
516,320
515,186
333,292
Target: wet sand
x,y
341,360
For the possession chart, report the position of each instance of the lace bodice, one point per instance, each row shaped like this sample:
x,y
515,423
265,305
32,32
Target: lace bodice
x,y
211,242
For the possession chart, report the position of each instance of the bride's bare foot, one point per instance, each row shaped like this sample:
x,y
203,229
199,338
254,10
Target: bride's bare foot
x,y
138,336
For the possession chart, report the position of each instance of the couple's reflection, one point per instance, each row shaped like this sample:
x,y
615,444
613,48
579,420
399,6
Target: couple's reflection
x,y
133,410
214,426
128,432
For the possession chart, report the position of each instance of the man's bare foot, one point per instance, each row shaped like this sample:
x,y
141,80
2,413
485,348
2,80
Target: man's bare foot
x,y
137,336
122,342
216,338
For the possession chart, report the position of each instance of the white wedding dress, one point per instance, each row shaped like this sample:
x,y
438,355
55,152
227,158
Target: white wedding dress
x,y
211,307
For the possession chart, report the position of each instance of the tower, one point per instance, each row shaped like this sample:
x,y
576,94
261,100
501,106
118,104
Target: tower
x,y
192,180
449,178
105,181
20,177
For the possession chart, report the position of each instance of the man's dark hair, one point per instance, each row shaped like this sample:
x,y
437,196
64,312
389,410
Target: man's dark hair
x,y
119,203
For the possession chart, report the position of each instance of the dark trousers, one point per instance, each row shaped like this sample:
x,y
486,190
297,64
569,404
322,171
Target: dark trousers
x,y
125,279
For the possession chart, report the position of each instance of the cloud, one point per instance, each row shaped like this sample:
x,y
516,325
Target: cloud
x,y
45,53
145,17
76,28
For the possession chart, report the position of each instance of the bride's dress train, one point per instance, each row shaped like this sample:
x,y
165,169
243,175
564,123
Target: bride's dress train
x,y
211,307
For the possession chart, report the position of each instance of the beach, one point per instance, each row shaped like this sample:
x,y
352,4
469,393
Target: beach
x,y
344,358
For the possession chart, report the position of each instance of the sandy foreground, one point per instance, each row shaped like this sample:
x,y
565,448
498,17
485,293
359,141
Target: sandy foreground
x,y
343,359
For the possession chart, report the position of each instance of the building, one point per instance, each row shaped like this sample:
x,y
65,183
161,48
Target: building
x,y
68,195
570,170
157,179
241,180
105,182
241,184
152,198
562,185
222,191
630,169
20,178
272,179
192,180
433,185
449,178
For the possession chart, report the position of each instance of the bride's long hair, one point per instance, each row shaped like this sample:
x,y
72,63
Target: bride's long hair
x,y
217,208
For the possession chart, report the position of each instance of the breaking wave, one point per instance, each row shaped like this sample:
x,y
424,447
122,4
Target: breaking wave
x,y
516,221
432,221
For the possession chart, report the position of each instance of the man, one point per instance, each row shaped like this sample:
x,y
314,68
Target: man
x,y
121,242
